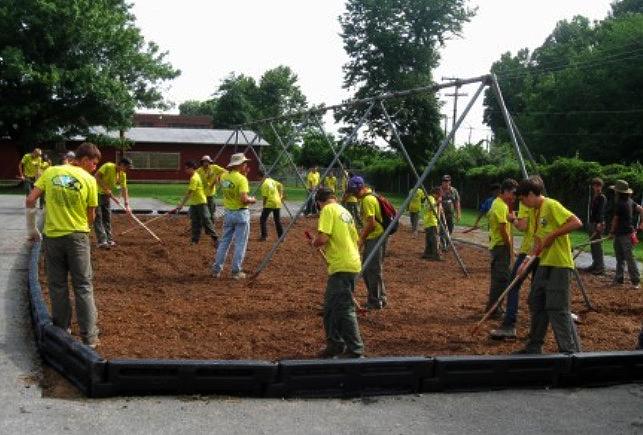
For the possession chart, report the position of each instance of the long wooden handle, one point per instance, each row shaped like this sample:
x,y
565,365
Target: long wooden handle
x,y
137,220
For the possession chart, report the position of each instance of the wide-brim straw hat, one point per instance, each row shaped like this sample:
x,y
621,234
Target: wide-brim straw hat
x,y
206,158
621,186
237,159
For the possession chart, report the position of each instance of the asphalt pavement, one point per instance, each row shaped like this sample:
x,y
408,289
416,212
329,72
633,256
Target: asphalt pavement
x,y
23,410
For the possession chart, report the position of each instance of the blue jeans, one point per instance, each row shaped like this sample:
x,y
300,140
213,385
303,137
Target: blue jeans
x,y
236,224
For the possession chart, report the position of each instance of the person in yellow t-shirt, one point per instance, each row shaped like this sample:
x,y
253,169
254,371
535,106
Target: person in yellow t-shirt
x,y
236,221
337,234
272,192
432,210
371,232
312,183
110,177
330,182
210,174
200,218
414,209
349,201
549,298
500,242
44,164
72,198
28,168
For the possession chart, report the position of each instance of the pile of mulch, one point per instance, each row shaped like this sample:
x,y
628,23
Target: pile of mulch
x,y
161,301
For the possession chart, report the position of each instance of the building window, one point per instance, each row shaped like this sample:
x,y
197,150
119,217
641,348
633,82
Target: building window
x,y
154,160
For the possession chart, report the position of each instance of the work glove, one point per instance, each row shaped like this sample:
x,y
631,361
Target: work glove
x,y
32,231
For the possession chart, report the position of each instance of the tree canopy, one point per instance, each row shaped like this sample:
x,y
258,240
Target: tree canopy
x,y
580,92
66,65
393,45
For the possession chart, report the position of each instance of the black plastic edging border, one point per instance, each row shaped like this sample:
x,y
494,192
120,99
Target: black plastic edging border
x,y
97,377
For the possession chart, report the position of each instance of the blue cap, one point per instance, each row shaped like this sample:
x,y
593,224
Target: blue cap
x,y
355,184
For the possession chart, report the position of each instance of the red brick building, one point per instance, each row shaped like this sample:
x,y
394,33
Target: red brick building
x,y
160,152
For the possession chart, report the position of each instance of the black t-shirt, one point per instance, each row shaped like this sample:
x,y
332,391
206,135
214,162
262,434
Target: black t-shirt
x,y
597,209
624,212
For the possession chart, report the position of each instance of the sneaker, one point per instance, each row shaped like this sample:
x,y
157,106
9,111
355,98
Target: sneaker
x,y
636,286
111,243
103,245
92,343
503,333
239,275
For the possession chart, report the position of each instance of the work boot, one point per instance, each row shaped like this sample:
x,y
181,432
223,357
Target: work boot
x,y
505,332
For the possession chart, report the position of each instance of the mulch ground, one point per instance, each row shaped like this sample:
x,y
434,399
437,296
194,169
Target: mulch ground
x,y
161,301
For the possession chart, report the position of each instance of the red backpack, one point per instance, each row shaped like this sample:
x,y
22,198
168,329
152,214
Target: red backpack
x,y
388,212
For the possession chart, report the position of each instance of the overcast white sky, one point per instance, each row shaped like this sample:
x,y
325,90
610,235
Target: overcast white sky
x,y
209,39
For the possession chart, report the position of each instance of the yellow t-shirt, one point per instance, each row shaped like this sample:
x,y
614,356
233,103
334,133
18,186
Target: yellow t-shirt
x,y
70,190
416,202
553,215
331,182
371,207
528,238
112,177
341,250
430,220
233,184
30,165
497,215
271,193
197,196
209,177
312,180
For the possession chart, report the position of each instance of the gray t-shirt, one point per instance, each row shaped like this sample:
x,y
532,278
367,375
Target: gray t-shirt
x,y
449,199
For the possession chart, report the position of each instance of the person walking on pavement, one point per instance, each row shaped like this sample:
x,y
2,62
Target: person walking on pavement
x,y
371,232
500,242
623,232
596,226
109,178
450,206
272,192
431,213
336,233
312,183
549,297
236,220
414,209
524,222
29,168
72,197
200,218
210,174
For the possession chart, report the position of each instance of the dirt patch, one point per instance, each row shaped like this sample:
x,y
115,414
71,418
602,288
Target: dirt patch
x,y
160,301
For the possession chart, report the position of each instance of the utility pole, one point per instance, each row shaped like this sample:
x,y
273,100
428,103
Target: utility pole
x,y
470,130
446,121
455,96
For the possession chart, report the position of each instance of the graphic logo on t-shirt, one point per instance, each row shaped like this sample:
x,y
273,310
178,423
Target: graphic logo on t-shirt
x,y
66,182
543,222
227,184
346,217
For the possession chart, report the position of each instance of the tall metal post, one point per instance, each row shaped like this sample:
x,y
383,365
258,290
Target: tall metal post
x,y
426,192
218,154
425,174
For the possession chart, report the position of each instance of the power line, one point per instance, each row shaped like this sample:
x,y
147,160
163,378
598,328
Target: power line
x,y
575,112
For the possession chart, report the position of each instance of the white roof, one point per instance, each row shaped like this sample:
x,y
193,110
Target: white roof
x,y
203,136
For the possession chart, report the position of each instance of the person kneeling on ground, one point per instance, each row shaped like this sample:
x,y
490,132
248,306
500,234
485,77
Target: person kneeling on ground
x,y
431,212
336,232
199,212
236,220
72,197
623,232
500,243
272,192
549,298
109,178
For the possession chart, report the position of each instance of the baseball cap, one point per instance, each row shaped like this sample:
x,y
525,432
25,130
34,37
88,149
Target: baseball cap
x,y
355,184
446,177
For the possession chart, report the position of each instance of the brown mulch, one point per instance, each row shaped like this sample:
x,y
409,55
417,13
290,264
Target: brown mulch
x,y
161,301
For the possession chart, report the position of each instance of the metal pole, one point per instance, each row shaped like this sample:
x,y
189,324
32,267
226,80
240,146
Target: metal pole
x,y
288,156
263,167
223,147
425,174
385,96
505,113
523,143
347,140
331,146
426,193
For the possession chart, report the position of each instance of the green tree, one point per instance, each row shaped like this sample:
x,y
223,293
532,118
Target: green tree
x,y
236,99
66,65
393,45
623,7
195,107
